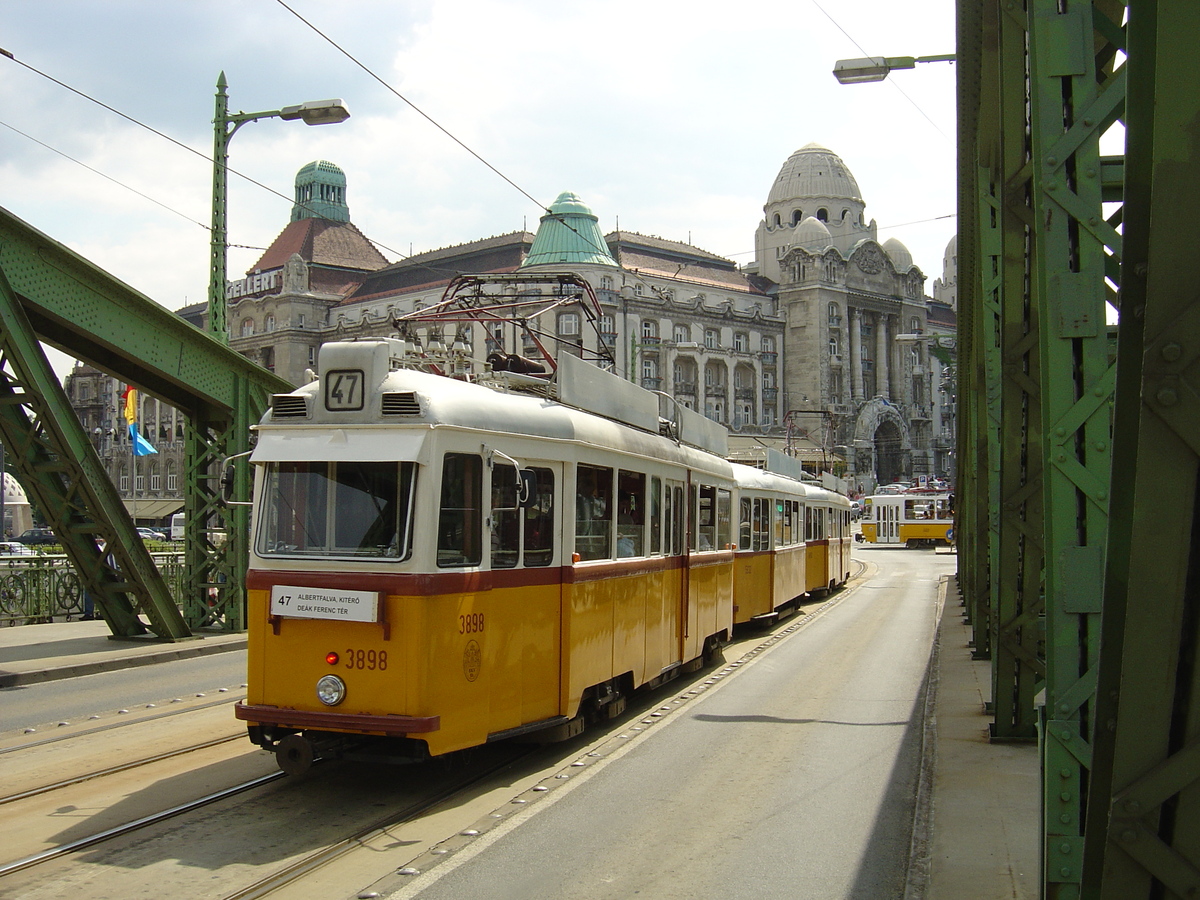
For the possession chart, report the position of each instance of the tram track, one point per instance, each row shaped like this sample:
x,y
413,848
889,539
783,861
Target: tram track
x,y
121,723
123,767
135,825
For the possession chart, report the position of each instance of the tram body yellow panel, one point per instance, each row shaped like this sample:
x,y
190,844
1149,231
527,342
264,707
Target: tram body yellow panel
x,y
753,585
790,569
630,597
710,600
483,662
870,532
587,636
664,597
816,561
925,531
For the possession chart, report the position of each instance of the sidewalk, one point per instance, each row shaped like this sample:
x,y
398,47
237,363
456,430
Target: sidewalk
x,y
34,653
985,826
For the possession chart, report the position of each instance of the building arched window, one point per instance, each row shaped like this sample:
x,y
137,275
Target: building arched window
x,y
247,327
835,314
649,328
682,334
835,347
270,324
606,283
823,214
797,216
914,325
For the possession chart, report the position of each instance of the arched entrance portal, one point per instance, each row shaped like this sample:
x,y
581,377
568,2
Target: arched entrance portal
x,y
882,445
889,453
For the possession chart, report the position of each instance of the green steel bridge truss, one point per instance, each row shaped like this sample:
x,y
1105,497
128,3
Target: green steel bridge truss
x,y
1078,442
50,294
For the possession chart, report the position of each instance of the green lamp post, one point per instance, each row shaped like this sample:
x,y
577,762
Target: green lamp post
x,y
318,112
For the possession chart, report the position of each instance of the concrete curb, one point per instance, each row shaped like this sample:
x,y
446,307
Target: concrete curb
x,y
92,667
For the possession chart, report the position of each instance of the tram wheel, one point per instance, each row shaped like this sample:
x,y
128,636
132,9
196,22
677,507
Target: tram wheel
x,y
294,754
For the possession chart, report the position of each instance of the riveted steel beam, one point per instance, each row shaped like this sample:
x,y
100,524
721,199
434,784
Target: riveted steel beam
x,y
1143,828
72,304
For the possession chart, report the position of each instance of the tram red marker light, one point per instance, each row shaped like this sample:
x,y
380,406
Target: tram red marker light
x,y
575,557
332,658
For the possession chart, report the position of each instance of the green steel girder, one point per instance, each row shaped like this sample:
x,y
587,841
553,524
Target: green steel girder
x,y
1143,828
72,304
1075,92
61,471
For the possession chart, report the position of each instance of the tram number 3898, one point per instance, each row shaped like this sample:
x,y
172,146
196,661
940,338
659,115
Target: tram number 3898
x,y
471,623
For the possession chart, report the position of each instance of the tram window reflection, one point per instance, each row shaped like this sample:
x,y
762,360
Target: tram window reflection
x,y
593,512
631,513
539,521
347,509
460,521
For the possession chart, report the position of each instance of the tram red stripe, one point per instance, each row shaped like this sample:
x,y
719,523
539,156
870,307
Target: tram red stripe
x,y
358,722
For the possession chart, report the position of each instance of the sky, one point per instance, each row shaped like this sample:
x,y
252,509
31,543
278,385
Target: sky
x,y
668,117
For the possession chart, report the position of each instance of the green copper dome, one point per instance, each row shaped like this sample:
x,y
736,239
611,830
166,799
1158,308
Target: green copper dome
x,y
321,193
569,234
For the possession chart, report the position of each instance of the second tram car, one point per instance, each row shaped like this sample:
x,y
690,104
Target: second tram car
x,y
443,563
911,519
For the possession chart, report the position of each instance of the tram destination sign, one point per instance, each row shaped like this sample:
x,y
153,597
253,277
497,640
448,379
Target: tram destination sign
x,y
324,603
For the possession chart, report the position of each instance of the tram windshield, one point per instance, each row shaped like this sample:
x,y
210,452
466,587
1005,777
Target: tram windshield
x,y
337,509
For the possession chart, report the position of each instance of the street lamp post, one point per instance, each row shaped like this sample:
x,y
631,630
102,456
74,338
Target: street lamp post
x,y
320,112
876,68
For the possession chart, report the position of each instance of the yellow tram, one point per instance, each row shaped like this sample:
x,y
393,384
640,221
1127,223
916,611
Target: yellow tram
x,y
793,539
915,518
445,562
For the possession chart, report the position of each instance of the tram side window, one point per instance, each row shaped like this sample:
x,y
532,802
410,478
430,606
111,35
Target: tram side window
x,y
745,522
593,512
656,515
525,533
506,517
787,523
460,523
808,524
724,525
707,519
798,519
675,516
539,521
631,513
762,524
337,509
778,523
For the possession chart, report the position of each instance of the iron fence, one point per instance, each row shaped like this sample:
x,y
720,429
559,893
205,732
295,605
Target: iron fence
x,y
46,587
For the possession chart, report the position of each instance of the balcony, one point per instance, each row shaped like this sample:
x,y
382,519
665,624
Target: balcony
x,y
714,390
652,384
744,393
686,387
770,358
770,395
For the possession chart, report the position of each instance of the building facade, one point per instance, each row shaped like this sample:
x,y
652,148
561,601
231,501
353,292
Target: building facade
x,y
826,347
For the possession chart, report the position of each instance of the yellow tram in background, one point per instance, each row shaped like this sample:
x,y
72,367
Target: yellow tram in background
x,y
440,562
915,518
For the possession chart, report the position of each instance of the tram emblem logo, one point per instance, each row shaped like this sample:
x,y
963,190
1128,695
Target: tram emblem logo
x,y
472,660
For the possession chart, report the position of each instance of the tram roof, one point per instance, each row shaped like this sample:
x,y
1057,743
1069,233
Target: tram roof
x,y
403,407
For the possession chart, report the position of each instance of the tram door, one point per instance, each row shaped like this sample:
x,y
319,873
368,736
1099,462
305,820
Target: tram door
x,y
889,528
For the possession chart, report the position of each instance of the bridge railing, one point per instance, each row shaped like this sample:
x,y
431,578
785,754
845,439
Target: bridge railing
x,y
45,587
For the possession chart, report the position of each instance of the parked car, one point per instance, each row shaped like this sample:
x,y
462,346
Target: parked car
x,y
150,534
856,509
37,536
14,548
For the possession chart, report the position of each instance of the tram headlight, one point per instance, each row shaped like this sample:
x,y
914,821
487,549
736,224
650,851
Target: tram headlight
x,y
331,690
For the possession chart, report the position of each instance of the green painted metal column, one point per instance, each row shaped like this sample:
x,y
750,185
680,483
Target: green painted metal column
x,y
59,468
1143,828
1077,89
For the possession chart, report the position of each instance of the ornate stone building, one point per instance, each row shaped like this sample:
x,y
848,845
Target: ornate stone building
x,y
858,365
822,348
